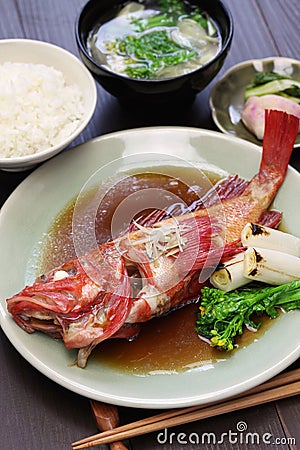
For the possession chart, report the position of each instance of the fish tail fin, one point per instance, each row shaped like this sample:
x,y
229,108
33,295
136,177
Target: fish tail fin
x,y
280,134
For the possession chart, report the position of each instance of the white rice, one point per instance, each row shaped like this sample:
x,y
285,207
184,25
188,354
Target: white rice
x,y
38,109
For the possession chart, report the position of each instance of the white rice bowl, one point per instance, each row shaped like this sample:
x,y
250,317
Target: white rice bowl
x,y
47,97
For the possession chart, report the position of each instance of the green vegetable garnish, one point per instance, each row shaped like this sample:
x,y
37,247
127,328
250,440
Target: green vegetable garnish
x,y
293,91
172,11
265,83
155,21
174,7
198,17
223,315
150,52
265,77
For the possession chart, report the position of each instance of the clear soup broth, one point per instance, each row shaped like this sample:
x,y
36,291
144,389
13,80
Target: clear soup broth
x,y
155,39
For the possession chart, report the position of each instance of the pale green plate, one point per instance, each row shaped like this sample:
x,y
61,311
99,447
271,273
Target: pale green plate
x,y
28,213
227,96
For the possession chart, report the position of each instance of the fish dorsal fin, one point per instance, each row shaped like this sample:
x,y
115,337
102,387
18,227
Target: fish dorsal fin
x,y
229,187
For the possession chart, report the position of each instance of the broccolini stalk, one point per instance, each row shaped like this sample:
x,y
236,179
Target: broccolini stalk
x,y
223,315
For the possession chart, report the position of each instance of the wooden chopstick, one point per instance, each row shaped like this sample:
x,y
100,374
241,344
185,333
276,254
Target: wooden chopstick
x,y
281,386
222,408
279,380
107,418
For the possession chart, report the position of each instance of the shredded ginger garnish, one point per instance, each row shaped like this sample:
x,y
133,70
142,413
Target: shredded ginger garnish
x,y
165,239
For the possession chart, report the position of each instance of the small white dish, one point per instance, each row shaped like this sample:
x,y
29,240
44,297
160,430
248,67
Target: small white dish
x,y
74,72
227,95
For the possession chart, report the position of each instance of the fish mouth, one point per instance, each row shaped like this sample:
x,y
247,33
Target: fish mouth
x,y
49,323
31,324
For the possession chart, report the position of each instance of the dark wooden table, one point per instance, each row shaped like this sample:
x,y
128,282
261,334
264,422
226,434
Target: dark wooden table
x,y
37,414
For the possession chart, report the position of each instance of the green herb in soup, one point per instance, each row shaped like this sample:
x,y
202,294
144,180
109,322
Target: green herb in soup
x,y
155,40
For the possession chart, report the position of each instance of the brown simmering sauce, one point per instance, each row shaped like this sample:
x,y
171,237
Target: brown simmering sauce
x,y
169,343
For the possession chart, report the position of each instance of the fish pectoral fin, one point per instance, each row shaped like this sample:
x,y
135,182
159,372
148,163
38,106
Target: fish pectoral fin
x,y
83,354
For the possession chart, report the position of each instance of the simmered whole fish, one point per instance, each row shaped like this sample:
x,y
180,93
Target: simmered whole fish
x,y
158,264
